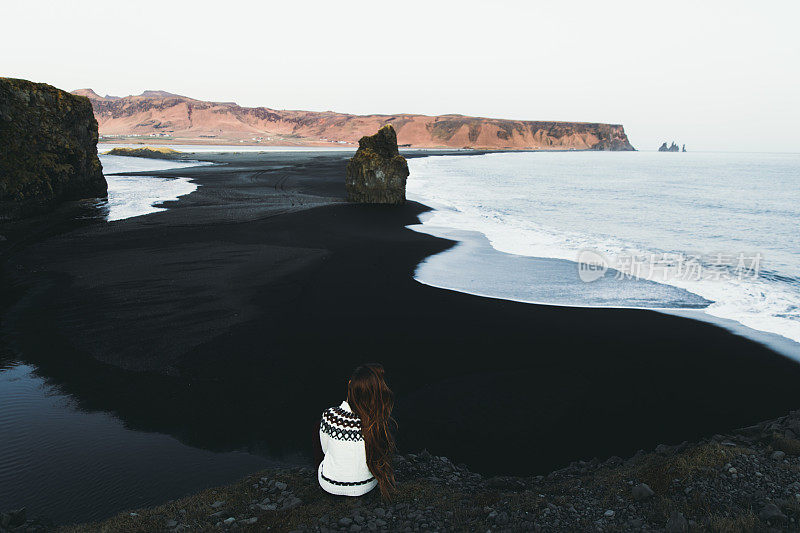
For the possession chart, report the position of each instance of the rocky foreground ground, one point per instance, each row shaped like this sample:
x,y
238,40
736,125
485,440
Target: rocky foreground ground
x,y
746,481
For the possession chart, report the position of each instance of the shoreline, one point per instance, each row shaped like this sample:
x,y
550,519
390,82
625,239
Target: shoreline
x,y
774,341
544,221
474,247
274,285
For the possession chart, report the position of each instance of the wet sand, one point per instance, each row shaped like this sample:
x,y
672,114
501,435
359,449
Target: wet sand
x,y
232,320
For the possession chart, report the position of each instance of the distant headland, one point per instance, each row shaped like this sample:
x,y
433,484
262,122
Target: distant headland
x,y
160,116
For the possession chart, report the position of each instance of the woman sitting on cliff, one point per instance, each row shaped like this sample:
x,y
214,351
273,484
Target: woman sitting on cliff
x,y
356,442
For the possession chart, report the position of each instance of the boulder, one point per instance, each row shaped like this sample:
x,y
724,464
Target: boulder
x,y
677,523
641,492
770,513
377,172
49,140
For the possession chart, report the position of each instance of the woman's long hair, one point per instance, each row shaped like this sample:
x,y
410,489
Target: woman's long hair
x,y
372,400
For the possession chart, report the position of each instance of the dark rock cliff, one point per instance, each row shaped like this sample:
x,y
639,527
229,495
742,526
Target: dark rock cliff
x,y
49,141
377,173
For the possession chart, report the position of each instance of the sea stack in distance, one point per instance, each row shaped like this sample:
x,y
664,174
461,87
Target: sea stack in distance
x,y
377,173
49,140
671,148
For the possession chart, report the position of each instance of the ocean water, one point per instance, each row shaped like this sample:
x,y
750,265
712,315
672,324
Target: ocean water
x,y
131,196
67,463
723,227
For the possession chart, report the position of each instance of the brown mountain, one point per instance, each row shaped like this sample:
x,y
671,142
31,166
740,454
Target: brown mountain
x,y
160,115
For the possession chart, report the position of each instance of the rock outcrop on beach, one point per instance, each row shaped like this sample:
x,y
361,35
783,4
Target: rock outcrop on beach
x,y
150,152
49,142
377,173
671,148
170,117
744,481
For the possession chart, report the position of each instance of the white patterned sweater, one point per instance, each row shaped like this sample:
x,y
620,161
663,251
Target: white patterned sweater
x,y
344,470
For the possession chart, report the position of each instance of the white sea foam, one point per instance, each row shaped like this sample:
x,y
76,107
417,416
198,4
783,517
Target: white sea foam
x,y
131,196
554,205
119,164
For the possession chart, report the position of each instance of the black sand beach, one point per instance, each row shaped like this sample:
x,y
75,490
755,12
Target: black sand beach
x,y
232,319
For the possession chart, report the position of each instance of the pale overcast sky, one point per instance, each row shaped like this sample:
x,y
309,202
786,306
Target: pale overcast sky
x,y
714,75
